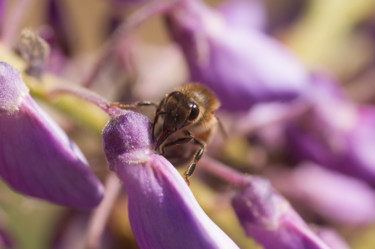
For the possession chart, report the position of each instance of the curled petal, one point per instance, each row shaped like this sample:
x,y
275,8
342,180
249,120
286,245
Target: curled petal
x,y
268,218
162,210
36,157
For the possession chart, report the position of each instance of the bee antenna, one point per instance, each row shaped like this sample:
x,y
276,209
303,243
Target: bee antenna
x,y
221,127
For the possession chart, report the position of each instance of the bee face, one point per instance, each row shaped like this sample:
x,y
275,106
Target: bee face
x,y
180,111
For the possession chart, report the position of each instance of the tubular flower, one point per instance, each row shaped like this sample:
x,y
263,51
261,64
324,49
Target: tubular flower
x,y
320,190
36,156
162,210
268,218
344,143
243,66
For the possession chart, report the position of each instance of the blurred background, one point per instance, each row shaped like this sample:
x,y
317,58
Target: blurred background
x,y
332,36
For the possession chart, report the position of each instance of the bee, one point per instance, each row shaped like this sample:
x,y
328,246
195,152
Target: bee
x,y
188,114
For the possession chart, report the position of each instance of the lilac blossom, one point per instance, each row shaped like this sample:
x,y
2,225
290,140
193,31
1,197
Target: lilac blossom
x,y
335,132
163,212
270,220
320,190
36,156
241,65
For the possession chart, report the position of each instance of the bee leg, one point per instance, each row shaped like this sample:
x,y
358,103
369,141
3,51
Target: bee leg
x,y
197,157
135,105
179,141
156,118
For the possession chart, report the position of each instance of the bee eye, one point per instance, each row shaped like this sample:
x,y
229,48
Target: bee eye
x,y
194,111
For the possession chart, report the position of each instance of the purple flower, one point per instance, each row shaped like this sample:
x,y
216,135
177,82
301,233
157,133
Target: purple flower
x,y
335,133
242,66
332,238
249,14
270,220
321,190
57,20
36,156
162,210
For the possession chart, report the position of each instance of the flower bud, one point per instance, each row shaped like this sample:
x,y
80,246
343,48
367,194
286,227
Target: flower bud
x,y
270,220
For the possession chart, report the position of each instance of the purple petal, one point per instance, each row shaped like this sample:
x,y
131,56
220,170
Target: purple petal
x,y
242,66
336,133
249,14
321,191
57,18
162,210
36,156
270,220
332,238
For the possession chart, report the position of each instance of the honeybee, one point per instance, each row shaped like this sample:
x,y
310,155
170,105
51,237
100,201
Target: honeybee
x,y
188,113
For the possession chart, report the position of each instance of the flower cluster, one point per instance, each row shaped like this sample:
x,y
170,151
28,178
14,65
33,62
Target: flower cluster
x,y
292,168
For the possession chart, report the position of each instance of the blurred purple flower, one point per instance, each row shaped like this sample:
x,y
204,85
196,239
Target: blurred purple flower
x,y
242,66
36,156
270,220
57,59
163,211
331,238
57,18
335,133
6,241
249,14
321,191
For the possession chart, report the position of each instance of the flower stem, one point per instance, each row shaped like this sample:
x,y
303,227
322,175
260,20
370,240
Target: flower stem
x,y
87,95
224,172
100,216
